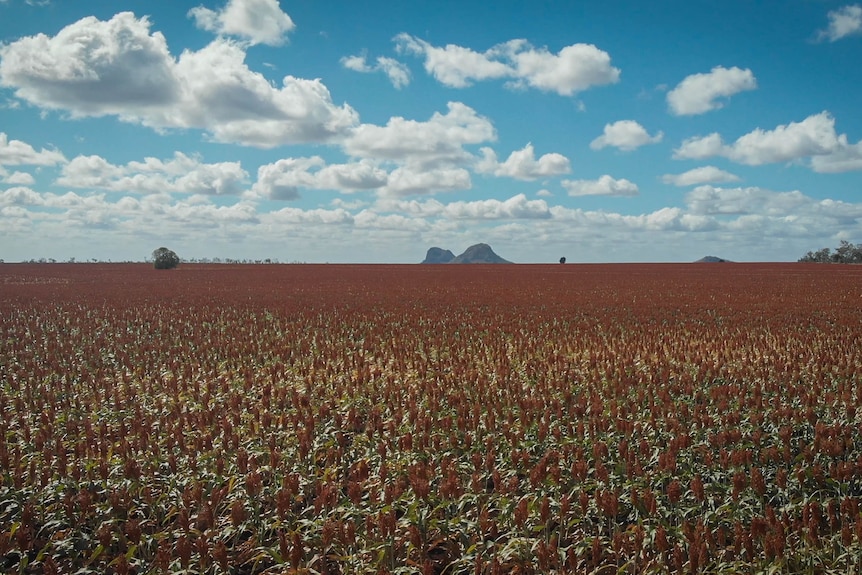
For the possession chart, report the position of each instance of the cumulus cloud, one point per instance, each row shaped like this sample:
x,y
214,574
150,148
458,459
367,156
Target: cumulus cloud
x,y
432,144
573,69
406,181
700,93
357,63
92,67
338,216
846,21
181,174
17,153
814,137
627,135
700,147
846,158
17,178
516,207
523,165
702,175
367,219
117,67
20,196
453,65
740,218
283,179
709,200
604,186
257,21
668,219
397,72
238,105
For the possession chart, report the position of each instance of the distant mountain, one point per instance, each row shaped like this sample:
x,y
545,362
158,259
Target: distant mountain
x,y
438,256
711,260
478,254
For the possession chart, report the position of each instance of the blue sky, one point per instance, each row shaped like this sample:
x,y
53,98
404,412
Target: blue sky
x,y
368,132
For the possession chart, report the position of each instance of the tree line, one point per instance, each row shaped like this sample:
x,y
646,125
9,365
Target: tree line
x,y
846,253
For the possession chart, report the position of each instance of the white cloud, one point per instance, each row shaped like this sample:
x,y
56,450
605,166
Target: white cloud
x,y
516,207
367,219
258,21
846,21
182,174
700,147
522,164
749,223
699,93
814,137
117,67
432,144
846,158
357,63
406,181
627,135
702,175
92,67
604,186
573,69
20,196
238,105
338,216
668,219
283,179
398,73
709,200
18,178
453,65
16,153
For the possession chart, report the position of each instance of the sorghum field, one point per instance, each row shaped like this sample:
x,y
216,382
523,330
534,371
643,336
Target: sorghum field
x,y
694,418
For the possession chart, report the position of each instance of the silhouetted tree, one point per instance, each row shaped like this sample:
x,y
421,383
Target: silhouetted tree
x,y
165,259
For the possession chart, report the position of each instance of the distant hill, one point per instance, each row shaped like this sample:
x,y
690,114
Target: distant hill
x,y
711,260
477,254
438,256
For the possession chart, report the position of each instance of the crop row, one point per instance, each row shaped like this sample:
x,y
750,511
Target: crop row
x,y
407,419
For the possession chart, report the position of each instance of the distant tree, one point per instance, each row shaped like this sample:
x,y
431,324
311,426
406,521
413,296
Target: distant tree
x,y
821,256
165,259
562,260
846,253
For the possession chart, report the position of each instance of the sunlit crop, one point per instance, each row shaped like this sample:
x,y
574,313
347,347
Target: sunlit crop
x,y
430,419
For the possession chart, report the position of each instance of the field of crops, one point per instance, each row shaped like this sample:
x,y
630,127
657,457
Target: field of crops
x,y
696,418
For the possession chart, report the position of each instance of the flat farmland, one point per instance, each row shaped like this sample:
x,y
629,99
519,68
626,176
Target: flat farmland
x,y
627,418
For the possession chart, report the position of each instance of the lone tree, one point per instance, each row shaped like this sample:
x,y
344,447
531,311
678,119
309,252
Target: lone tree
x,y
165,259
